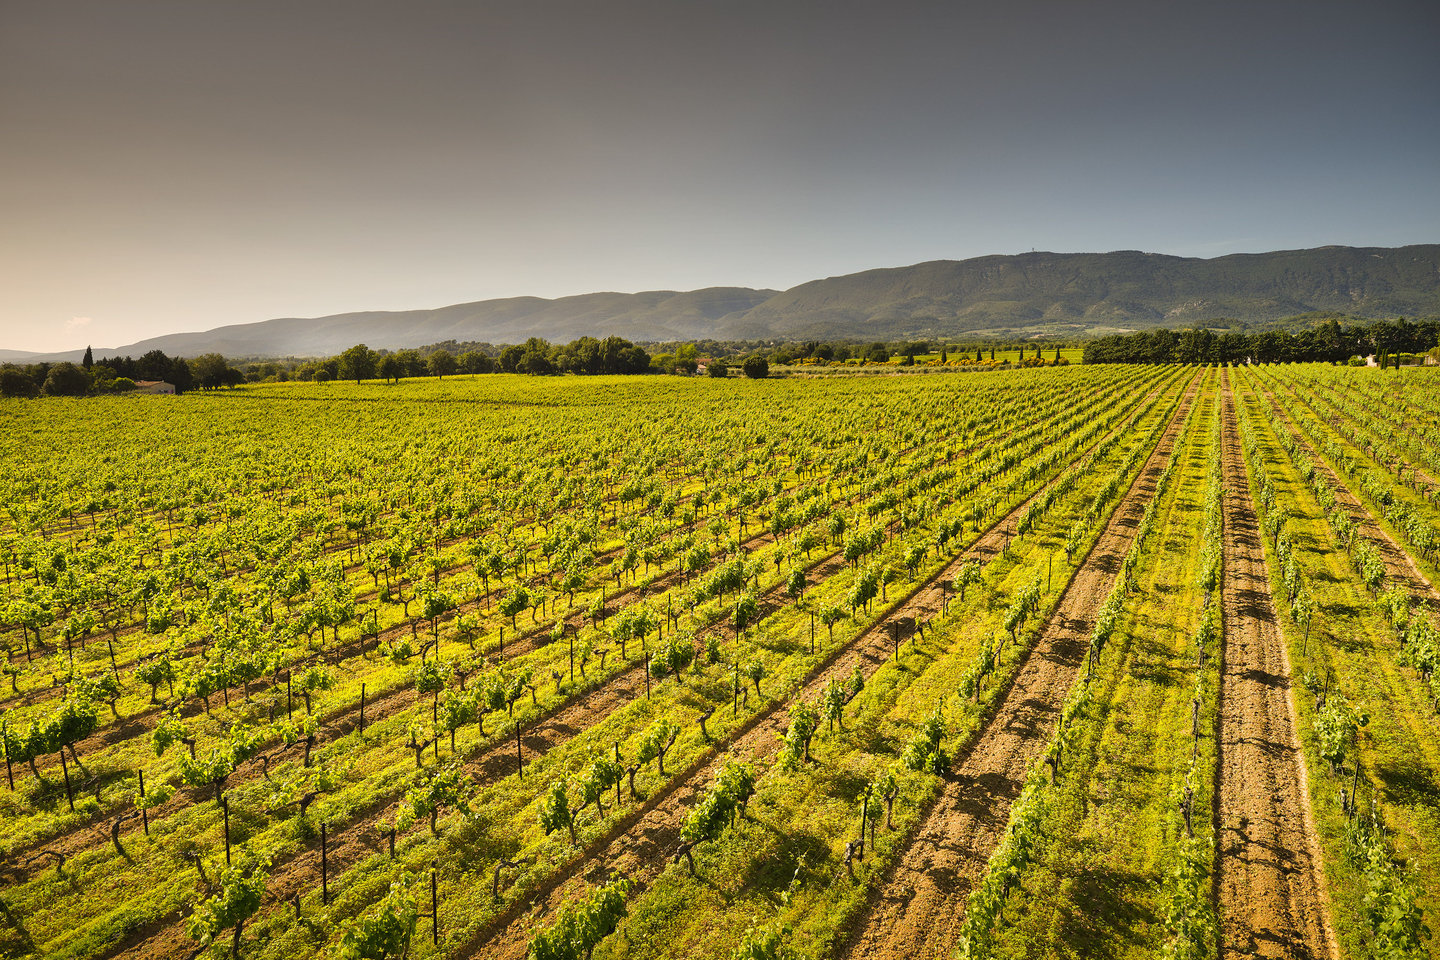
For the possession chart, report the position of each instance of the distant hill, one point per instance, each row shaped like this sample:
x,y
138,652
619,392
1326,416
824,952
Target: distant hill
x,y
1089,291
1032,293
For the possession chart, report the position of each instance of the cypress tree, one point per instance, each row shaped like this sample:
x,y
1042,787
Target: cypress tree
x,y
89,360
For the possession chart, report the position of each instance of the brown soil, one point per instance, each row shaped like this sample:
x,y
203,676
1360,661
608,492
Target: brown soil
x,y
1272,897
919,909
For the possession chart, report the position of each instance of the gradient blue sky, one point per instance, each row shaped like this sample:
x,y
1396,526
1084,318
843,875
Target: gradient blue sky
x,y
182,165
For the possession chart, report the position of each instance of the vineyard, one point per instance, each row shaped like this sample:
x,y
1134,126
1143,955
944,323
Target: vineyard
x,y
1104,661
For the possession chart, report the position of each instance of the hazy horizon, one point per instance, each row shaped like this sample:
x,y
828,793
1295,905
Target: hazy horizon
x,y
176,167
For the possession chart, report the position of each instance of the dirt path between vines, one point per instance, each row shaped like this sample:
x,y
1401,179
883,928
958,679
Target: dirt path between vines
x,y
918,910
1272,896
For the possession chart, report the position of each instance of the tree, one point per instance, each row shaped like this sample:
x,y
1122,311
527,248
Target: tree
x,y
390,368
236,902
877,353
14,383
411,364
440,363
209,370
510,359
357,363
717,369
756,367
536,364
89,359
473,361
66,380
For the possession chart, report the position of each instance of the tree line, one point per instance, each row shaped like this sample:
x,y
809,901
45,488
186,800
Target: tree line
x,y
536,356
586,356
117,375
1329,342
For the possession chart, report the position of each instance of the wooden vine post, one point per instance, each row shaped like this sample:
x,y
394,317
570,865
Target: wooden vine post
x,y
324,866
144,813
64,768
434,908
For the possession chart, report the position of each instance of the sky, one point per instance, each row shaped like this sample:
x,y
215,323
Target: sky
x,y
171,166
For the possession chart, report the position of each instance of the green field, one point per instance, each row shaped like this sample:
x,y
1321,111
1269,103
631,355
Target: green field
x,y
665,666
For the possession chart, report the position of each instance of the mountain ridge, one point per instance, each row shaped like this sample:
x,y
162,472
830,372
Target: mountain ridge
x,y
1071,294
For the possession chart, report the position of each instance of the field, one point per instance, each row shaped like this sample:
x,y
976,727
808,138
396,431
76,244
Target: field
x,y
1116,661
